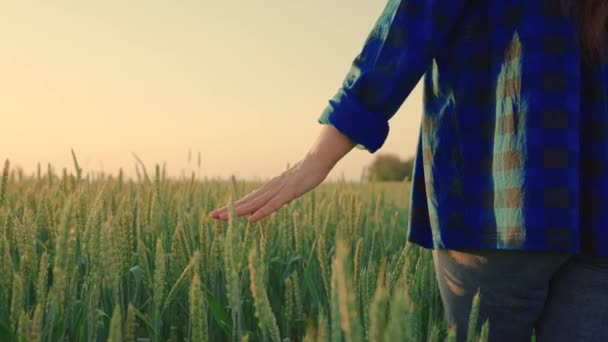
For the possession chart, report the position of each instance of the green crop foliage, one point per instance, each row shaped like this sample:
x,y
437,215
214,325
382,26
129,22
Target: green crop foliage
x,y
91,257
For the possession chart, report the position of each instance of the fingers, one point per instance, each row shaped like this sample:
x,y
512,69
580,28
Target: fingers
x,y
273,195
252,201
217,213
251,205
273,205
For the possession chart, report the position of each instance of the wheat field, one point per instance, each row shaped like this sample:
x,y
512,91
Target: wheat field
x,y
92,257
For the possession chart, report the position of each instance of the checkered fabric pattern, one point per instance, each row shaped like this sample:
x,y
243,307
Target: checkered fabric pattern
x,y
513,145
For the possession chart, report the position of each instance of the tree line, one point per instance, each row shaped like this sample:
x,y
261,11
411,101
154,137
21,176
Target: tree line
x,y
389,167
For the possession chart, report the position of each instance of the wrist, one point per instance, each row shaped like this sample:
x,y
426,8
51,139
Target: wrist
x,y
331,146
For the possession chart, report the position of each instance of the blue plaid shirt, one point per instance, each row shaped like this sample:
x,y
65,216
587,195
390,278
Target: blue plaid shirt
x,y
513,145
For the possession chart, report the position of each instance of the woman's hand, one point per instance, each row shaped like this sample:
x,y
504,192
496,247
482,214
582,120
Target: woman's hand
x,y
291,184
328,149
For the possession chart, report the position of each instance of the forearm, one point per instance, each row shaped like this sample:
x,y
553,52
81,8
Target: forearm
x,y
329,147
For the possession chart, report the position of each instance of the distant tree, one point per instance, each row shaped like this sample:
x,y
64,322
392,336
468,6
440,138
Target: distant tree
x,y
389,167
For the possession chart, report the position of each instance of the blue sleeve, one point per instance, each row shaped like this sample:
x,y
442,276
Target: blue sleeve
x,y
395,55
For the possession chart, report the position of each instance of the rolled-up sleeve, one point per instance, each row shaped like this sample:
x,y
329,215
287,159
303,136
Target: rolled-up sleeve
x,y
395,55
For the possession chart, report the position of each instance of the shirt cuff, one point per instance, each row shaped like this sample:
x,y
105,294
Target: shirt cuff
x,y
362,126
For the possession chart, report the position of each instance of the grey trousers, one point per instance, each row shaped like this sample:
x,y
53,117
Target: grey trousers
x,y
563,296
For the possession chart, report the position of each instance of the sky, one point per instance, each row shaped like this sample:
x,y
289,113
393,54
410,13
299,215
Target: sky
x,y
241,82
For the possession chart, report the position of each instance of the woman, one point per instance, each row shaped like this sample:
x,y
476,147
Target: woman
x,y
510,185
